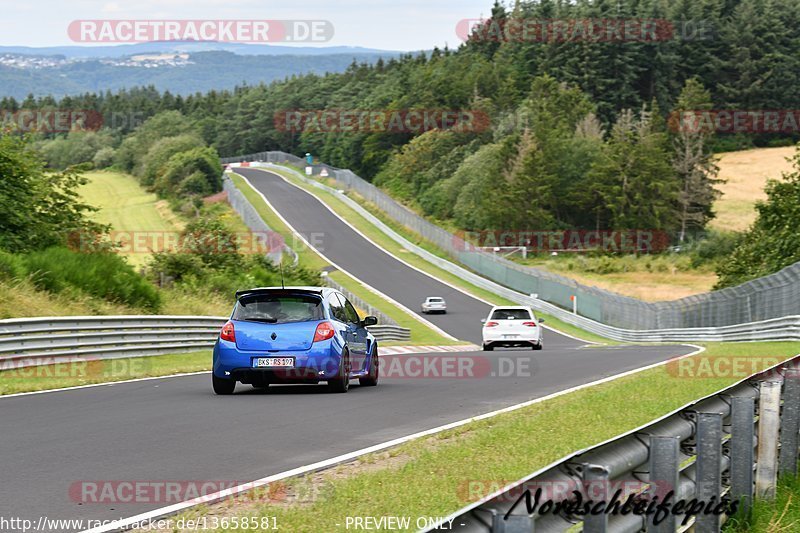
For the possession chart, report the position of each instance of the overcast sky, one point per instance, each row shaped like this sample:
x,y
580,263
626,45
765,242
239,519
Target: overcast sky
x,y
385,24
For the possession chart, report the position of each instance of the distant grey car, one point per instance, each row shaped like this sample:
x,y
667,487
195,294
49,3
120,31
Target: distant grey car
x,y
434,304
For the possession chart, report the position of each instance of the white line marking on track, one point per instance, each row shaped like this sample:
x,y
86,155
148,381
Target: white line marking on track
x,y
175,508
105,384
302,238
387,252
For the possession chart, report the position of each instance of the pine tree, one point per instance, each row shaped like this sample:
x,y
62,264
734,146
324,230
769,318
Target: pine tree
x,y
634,177
693,161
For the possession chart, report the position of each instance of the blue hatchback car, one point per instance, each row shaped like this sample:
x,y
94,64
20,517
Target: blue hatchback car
x,y
294,335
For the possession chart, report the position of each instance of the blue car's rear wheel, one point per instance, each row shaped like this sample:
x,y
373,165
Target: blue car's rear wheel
x,y
222,386
341,383
374,370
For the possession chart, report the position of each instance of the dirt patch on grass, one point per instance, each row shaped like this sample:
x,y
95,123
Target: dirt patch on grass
x,y
651,287
169,216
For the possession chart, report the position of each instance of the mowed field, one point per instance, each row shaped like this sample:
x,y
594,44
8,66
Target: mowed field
x,y
128,208
746,173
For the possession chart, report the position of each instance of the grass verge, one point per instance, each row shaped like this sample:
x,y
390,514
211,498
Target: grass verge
x,y
420,334
389,244
88,371
21,297
430,477
780,515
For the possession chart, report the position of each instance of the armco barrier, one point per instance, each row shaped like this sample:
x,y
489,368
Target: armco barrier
x,y
359,303
784,328
773,296
252,219
35,341
732,444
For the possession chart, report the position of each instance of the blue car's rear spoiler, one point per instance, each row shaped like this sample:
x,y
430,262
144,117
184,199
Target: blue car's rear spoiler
x,y
278,290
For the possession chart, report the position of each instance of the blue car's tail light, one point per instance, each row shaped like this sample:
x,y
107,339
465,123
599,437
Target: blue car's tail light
x,y
324,331
227,333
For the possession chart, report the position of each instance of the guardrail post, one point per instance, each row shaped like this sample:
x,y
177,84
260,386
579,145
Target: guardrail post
x,y
512,524
594,477
769,406
790,421
743,433
708,473
663,478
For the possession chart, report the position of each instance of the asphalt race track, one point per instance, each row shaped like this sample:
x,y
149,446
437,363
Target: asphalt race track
x,y
353,253
175,429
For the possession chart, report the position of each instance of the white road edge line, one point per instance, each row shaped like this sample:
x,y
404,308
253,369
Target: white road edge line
x,y
211,498
104,384
465,347
387,252
302,238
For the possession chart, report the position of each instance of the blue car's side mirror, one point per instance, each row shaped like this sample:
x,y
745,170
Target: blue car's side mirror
x,y
370,320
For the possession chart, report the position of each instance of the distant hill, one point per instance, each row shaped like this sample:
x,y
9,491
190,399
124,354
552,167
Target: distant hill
x,y
204,71
122,50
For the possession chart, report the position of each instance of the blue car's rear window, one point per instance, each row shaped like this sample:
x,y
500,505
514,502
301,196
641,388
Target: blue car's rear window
x,y
279,308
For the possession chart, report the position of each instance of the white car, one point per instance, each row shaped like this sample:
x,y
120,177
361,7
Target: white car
x,y
510,325
434,304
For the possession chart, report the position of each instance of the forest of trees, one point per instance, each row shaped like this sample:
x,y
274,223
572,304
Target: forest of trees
x,y
579,134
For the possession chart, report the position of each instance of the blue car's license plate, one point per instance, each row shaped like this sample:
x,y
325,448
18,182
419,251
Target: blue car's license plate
x,y
267,362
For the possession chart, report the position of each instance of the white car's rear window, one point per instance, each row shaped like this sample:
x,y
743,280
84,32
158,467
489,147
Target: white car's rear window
x,y
435,300
511,314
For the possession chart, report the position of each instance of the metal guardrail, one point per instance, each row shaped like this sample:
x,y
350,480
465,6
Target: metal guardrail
x,y
785,328
773,296
36,341
390,332
734,443
253,220
28,342
360,303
